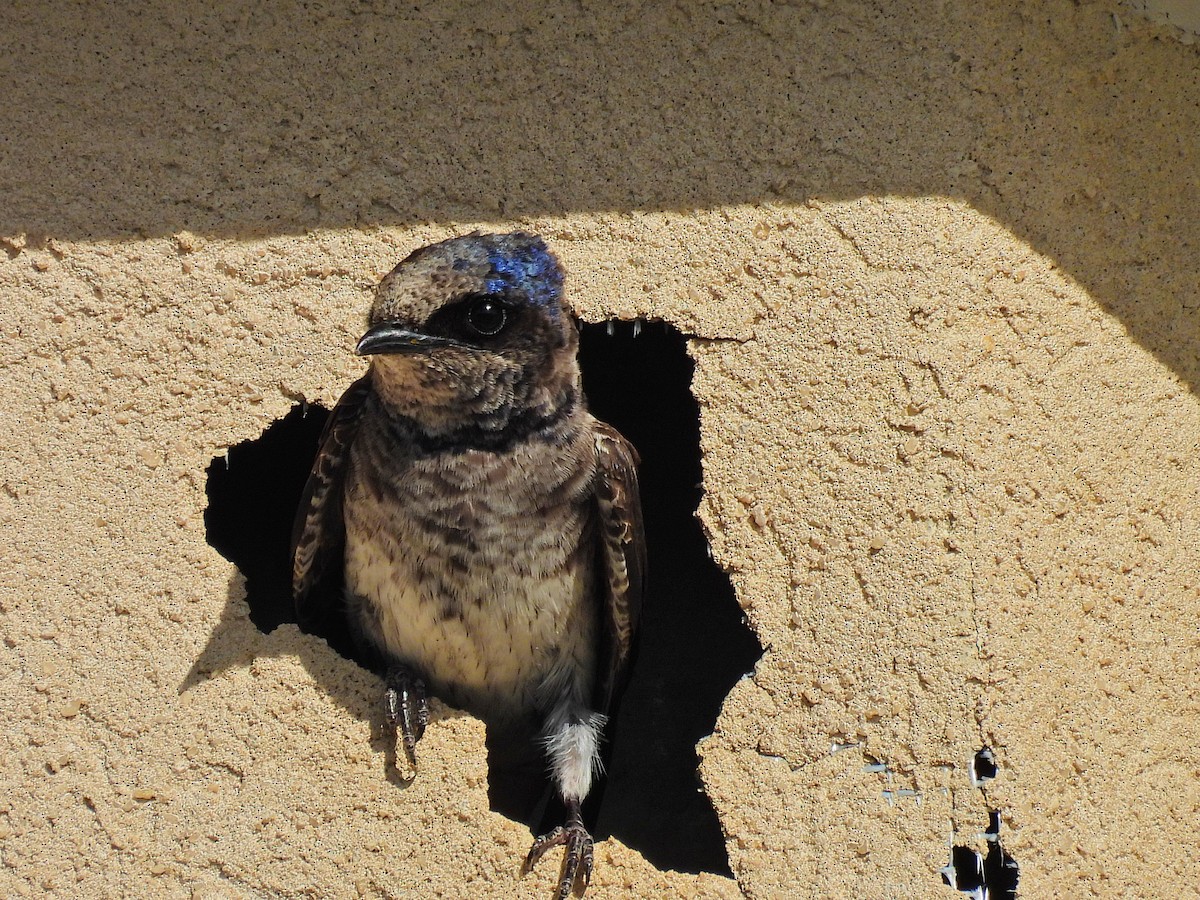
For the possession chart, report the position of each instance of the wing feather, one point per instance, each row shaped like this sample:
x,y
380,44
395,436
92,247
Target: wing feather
x,y
319,533
622,555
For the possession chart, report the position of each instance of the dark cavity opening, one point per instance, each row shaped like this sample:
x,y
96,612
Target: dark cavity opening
x,y
983,767
983,877
694,645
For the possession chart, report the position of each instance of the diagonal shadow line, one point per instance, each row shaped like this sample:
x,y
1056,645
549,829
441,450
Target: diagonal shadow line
x,y
1070,125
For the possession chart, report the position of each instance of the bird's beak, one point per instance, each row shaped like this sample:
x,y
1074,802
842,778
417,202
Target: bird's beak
x,y
387,337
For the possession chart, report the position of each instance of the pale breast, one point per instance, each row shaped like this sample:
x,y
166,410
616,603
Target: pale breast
x,y
476,568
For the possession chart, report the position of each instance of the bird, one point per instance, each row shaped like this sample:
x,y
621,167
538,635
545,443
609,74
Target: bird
x,y
488,527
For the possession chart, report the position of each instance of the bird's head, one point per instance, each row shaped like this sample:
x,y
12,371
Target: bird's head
x,y
473,331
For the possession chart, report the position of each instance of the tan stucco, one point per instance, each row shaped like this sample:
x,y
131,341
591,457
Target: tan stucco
x,y
939,265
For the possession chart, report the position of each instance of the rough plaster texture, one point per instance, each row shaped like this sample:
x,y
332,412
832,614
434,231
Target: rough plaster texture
x,y
940,266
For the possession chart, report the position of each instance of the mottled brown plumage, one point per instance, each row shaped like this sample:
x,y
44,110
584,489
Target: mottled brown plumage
x,y
488,526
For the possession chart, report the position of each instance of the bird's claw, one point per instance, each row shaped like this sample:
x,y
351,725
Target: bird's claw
x,y
577,861
407,707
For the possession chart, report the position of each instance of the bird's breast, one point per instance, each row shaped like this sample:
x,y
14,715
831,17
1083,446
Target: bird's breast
x,y
476,568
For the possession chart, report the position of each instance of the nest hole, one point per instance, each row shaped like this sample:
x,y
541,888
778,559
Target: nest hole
x,y
694,643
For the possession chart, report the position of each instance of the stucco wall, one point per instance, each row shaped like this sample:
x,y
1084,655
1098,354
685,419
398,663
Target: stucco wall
x,y
939,266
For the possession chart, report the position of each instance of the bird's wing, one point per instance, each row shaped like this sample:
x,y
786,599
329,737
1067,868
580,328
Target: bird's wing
x,y
622,558
319,534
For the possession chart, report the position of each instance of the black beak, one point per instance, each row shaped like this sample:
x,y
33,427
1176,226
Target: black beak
x,y
387,337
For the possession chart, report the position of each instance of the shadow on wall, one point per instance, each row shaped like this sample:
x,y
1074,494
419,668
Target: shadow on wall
x,y
694,644
250,119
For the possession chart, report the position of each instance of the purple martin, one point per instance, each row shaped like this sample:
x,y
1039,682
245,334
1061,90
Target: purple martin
x,y
488,526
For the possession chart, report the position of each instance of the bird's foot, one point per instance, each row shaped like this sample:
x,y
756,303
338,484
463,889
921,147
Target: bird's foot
x,y
407,707
577,861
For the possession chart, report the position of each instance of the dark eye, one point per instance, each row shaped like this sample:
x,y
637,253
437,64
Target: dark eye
x,y
487,317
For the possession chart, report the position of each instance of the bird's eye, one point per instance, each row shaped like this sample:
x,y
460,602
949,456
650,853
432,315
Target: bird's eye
x,y
487,317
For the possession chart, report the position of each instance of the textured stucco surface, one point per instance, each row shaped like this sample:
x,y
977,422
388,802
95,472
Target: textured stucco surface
x,y
939,263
